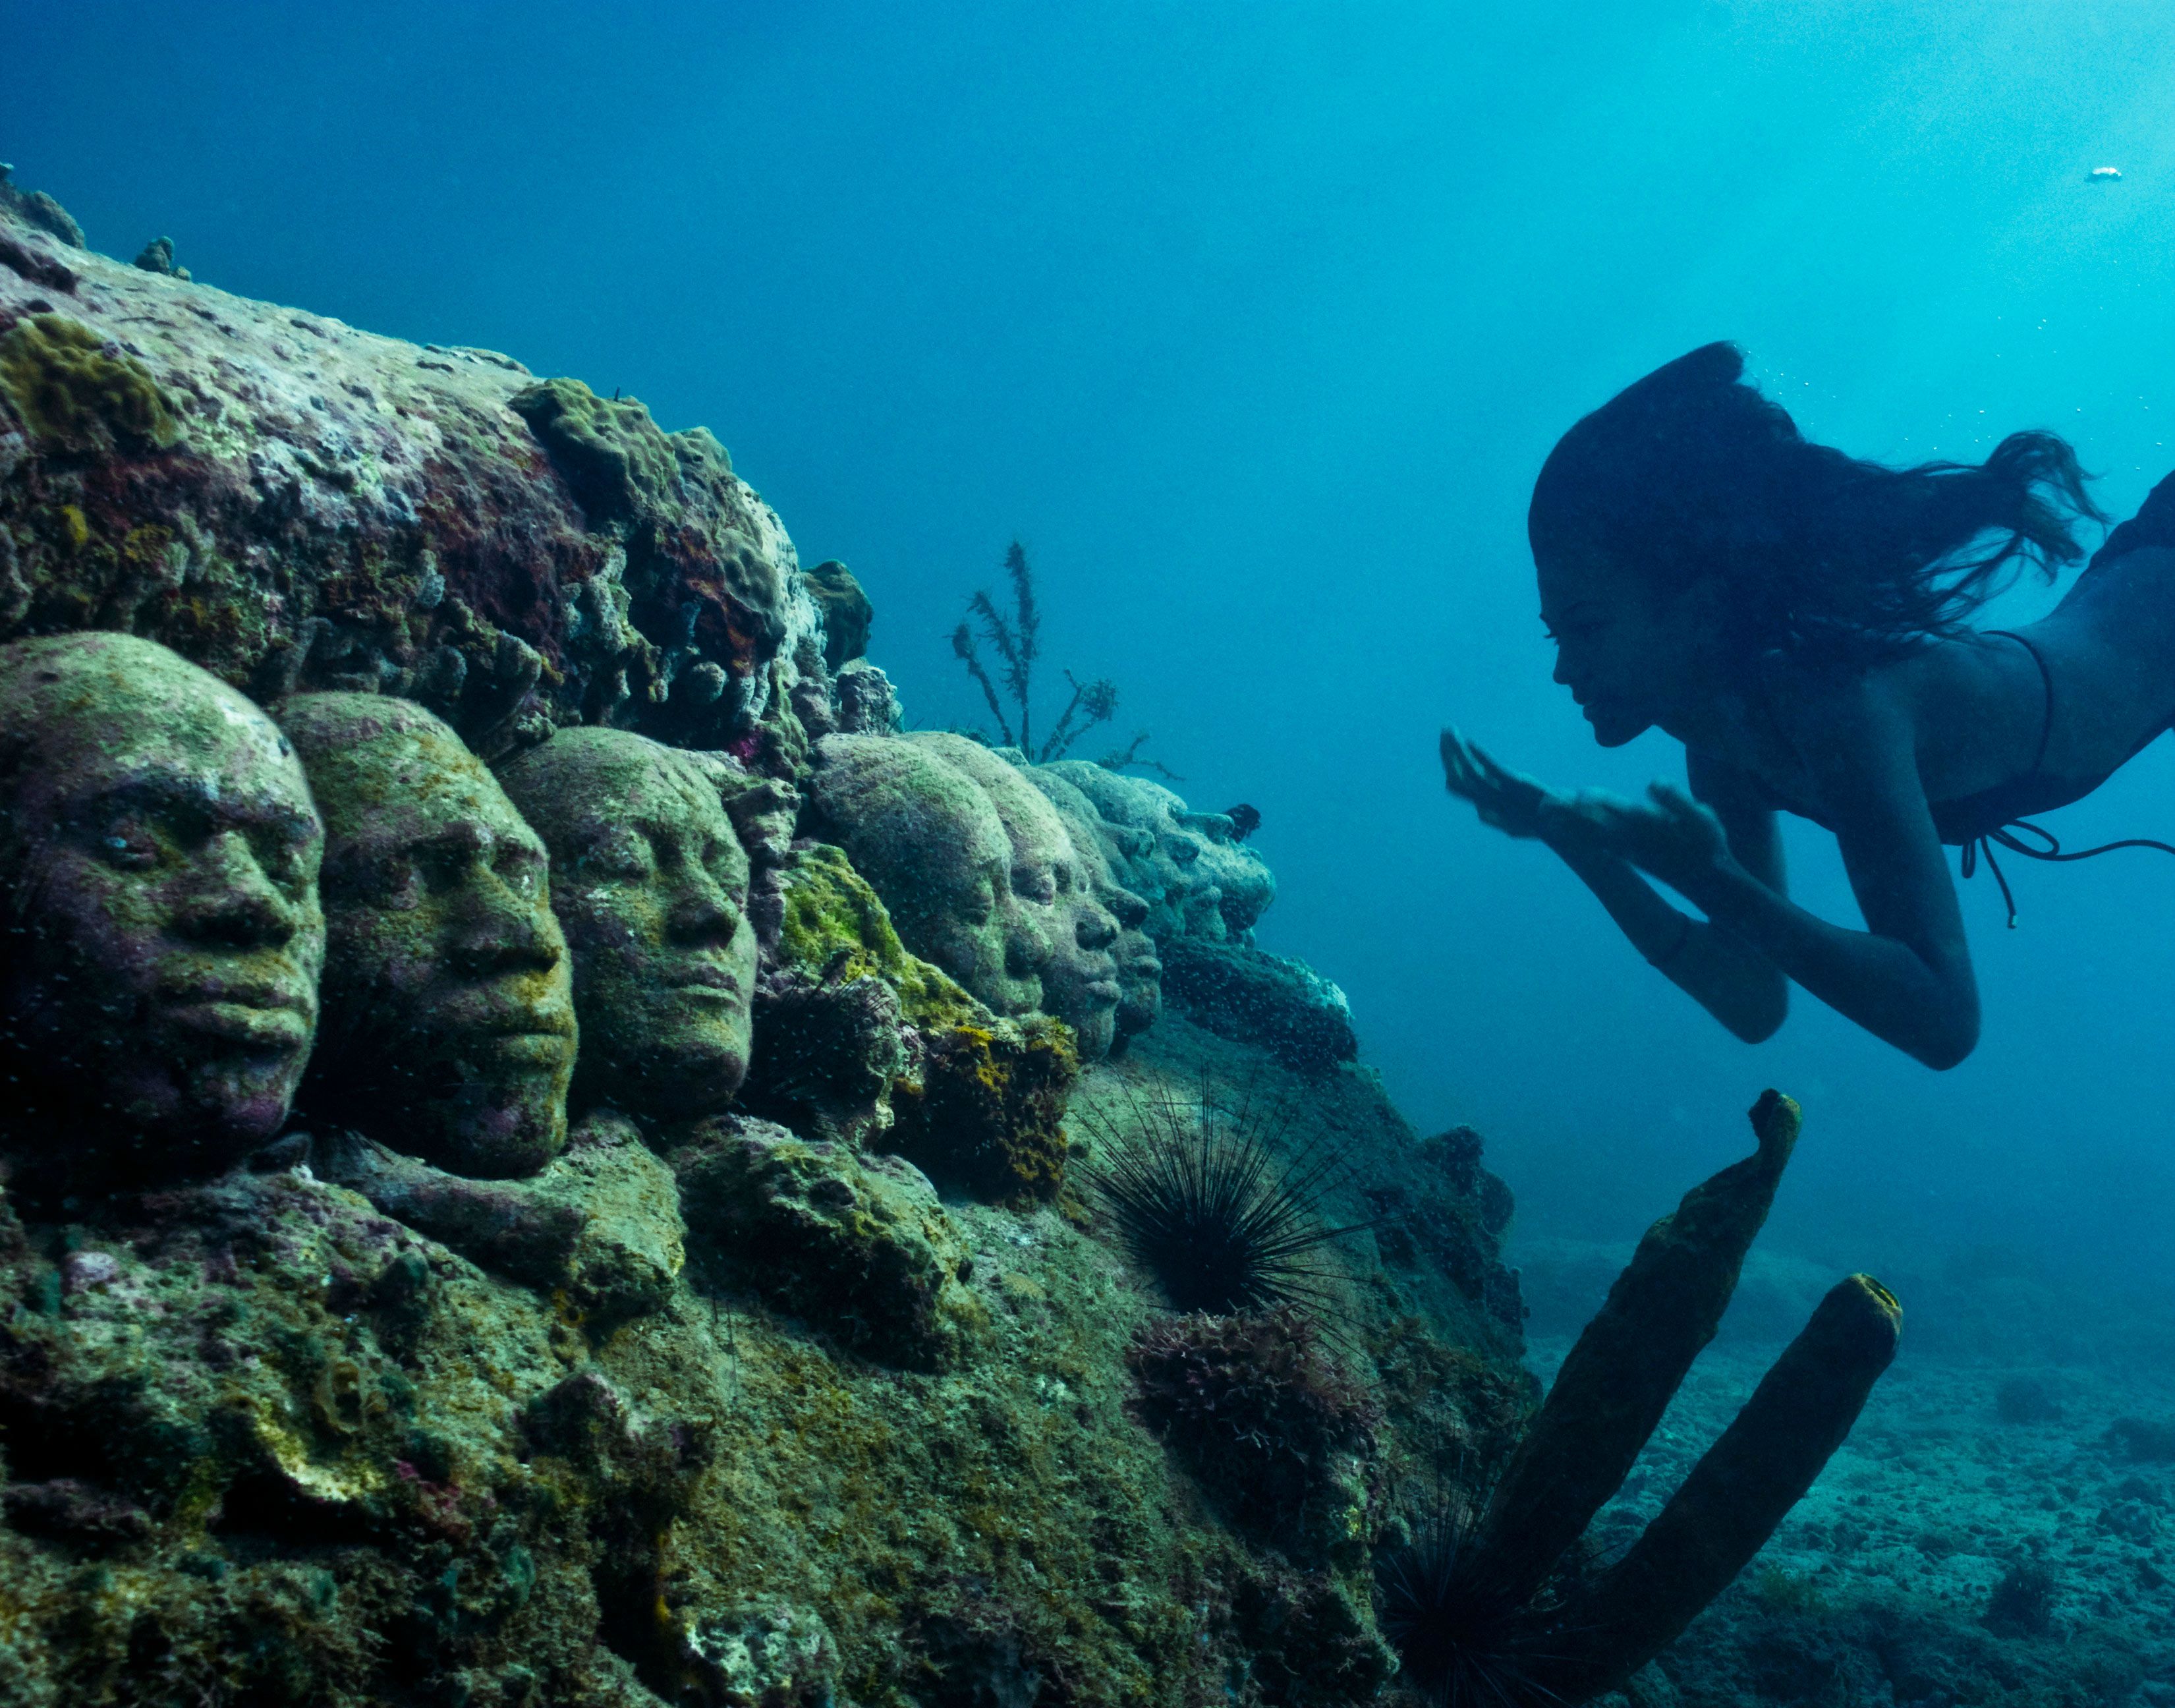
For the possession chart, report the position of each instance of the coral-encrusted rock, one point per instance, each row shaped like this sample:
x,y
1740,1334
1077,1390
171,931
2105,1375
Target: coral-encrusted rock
x,y
859,1245
847,612
600,1228
1247,994
767,1654
291,503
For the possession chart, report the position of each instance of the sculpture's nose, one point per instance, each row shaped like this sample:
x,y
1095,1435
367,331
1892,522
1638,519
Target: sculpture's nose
x,y
233,902
504,929
1094,928
701,912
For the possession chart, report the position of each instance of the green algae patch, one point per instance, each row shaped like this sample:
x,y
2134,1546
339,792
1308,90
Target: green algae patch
x,y
615,459
837,929
71,390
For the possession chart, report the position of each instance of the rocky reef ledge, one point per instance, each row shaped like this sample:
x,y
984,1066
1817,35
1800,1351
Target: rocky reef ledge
x,y
556,1153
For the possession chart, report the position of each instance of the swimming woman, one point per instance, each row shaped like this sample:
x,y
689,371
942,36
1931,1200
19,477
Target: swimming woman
x,y
1799,619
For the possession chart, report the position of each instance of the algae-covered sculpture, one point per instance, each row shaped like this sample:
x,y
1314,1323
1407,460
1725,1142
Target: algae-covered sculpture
x,y
928,840
1490,1610
650,884
1139,966
1198,877
1080,981
158,863
448,1024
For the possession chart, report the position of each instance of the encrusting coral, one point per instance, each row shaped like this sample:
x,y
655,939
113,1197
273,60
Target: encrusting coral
x,y
293,504
74,393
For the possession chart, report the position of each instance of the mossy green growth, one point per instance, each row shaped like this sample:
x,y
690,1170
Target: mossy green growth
x,y
70,389
986,1118
836,929
617,460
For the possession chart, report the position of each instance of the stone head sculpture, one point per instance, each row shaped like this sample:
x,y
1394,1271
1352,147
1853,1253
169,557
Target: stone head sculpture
x,y
927,838
448,1024
159,859
1079,982
1198,879
651,885
1140,968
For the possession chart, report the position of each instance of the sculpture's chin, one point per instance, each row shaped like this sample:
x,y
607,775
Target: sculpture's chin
x,y
677,1075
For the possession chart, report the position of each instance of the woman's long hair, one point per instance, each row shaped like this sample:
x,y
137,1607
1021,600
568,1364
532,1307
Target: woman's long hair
x,y
1689,474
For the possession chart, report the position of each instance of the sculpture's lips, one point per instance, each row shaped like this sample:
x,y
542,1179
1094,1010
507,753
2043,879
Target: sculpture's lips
x,y
546,1041
1104,990
705,980
252,1025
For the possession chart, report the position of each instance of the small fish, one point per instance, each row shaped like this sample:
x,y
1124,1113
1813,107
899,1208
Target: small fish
x,y
2103,175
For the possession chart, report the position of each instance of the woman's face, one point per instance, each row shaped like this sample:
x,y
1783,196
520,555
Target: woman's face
x,y
1631,658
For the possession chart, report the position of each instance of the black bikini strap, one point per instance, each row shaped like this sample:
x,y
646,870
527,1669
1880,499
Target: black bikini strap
x,y
1981,848
2047,696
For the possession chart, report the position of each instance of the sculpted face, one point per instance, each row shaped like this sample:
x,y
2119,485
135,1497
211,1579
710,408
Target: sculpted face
x,y
1140,968
158,884
1080,983
929,841
1199,881
448,1028
651,885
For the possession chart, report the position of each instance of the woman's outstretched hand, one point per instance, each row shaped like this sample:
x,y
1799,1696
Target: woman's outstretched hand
x,y
1513,803
1668,835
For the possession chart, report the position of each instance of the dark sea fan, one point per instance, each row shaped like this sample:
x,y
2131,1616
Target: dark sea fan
x,y
1461,1639
1204,1199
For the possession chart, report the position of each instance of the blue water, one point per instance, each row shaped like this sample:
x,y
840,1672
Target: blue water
x,y
1254,322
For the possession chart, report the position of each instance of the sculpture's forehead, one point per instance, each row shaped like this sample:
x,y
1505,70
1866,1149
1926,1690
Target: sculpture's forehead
x,y
953,808
582,777
91,712
1029,820
902,803
404,778
1031,824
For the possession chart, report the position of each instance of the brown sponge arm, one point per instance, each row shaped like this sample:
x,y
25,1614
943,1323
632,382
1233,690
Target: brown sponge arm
x,y
1734,1497
1626,1366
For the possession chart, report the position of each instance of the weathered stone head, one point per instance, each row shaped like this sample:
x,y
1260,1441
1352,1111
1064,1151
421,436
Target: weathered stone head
x,y
159,889
448,1028
1198,879
1140,968
651,885
927,838
1080,983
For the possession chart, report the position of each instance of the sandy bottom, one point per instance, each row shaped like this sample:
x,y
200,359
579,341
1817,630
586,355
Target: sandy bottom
x,y
1987,1534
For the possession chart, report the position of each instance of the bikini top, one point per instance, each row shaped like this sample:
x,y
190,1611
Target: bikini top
x,y
1976,823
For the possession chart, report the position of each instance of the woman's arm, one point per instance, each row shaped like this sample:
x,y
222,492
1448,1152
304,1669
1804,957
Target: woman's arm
x,y
1742,989
1908,977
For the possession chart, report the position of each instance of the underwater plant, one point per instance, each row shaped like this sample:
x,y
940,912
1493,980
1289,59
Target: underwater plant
x,y
1018,644
1520,1618
1202,1198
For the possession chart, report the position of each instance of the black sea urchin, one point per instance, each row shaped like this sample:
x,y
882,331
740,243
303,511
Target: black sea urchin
x,y
1203,1197
1462,1641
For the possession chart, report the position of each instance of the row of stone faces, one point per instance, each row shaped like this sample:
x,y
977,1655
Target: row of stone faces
x,y
208,910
